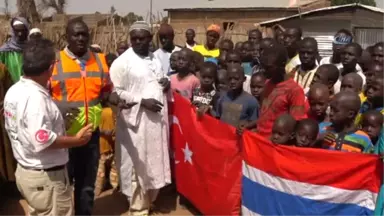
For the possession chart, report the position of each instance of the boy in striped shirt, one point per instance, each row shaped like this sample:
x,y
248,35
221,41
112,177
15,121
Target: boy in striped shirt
x,y
341,134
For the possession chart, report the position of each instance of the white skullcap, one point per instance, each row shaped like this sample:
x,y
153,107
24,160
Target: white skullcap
x,y
96,46
140,25
17,22
34,30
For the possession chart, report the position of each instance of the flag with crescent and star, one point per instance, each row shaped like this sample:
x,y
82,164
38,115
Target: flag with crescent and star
x,y
207,160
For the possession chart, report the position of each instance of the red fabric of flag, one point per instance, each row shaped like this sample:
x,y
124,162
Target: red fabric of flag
x,y
207,161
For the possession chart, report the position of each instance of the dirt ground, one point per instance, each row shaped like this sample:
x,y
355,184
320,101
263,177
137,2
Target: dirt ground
x,y
108,203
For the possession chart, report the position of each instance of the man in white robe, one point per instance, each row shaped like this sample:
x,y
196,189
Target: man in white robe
x,y
142,155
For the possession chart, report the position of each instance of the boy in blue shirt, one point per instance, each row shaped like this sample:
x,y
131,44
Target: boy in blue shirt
x,y
236,106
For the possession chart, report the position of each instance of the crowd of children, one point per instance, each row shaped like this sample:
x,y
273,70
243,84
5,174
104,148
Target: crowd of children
x,y
282,89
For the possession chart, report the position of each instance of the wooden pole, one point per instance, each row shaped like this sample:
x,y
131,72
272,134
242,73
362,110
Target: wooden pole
x,y
150,14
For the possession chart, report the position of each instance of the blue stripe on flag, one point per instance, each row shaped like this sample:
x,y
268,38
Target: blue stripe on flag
x,y
266,201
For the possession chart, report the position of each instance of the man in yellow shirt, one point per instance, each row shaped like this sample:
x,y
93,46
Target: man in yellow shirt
x,y
292,37
209,49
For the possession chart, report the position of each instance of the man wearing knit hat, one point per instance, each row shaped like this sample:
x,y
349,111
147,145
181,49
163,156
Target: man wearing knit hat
x,y
142,132
209,49
166,36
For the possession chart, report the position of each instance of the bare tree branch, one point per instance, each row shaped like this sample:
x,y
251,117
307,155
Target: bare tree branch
x,y
57,6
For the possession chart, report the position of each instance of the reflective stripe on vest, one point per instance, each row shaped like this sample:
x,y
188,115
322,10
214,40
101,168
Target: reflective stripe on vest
x,y
61,76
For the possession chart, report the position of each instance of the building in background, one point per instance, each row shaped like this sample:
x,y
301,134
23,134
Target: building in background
x,y
365,22
235,17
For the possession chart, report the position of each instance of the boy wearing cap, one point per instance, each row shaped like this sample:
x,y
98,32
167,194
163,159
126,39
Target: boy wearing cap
x,y
209,49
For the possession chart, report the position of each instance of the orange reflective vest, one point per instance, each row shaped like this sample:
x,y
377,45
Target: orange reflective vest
x,y
80,86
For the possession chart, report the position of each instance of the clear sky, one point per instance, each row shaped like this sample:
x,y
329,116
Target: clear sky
x,y
140,7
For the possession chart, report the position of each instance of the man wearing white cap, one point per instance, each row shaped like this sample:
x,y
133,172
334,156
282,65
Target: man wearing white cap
x,y
142,132
11,51
35,34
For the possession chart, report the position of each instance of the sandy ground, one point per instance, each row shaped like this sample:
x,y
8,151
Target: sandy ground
x,y
108,203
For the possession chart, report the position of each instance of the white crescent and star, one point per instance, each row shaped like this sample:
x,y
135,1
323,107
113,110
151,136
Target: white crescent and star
x,y
187,152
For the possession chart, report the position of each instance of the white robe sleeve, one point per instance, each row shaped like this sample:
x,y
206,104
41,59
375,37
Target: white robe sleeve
x,y
118,76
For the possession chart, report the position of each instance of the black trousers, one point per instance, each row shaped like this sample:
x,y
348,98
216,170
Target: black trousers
x,y
82,168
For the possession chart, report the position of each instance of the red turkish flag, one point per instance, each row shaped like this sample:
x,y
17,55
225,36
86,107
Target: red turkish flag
x,y
207,161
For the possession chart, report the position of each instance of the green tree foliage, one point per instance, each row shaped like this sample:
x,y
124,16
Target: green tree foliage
x,y
343,2
131,17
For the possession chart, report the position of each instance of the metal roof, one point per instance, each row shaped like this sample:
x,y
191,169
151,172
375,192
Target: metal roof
x,y
231,4
374,9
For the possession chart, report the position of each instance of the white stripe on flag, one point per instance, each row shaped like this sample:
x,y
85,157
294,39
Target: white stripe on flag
x,y
246,212
363,198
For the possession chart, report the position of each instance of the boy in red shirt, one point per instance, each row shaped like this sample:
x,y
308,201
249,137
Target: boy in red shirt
x,y
282,95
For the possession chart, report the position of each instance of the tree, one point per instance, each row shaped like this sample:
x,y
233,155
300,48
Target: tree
x,y
112,10
131,17
58,5
343,2
6,9
27,9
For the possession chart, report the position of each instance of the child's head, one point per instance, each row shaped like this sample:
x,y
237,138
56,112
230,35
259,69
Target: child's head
x,y
226,45
256,52
208,74
306,133
373,69
352,82
185,61
255,35
344,108
233,58
257,85
222,84
198,60
239,46
350,55
173,60
110,58
318,99
378,53
122,46
222,60
283,130
273,60
247,52
266,43
236,77
372,123
375,91
326,74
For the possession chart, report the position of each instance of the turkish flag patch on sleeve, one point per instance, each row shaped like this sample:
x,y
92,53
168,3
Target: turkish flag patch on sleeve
x,y
42,136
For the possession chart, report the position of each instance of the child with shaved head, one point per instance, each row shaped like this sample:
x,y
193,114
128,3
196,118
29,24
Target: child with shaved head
x,y
326,74
353,82
375,97
342,134
283,130
306,133
372,124
318,99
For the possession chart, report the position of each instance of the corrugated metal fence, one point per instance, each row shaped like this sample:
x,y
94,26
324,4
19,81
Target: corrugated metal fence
x,y
368,36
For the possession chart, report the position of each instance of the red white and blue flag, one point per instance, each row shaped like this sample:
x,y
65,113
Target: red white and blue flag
x,y
282,180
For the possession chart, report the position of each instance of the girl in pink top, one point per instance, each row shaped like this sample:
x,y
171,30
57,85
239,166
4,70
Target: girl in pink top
x,y
184,81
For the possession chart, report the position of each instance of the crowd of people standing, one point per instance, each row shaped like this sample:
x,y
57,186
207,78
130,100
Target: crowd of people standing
x,y
79,117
